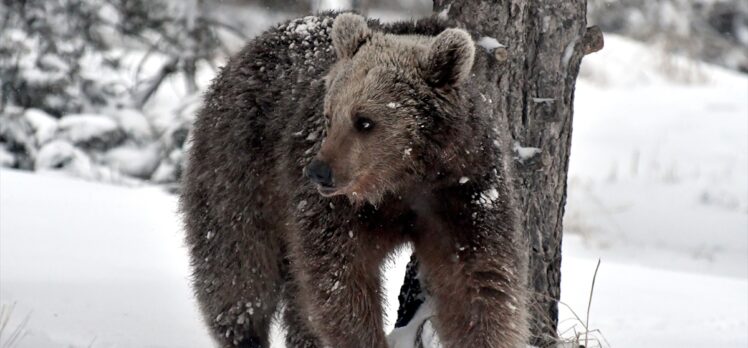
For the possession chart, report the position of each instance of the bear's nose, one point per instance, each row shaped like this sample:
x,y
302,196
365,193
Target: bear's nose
x,y
319,173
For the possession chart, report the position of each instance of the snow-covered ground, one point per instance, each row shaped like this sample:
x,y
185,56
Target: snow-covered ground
x,y
659,168
90,262
658,190
95,265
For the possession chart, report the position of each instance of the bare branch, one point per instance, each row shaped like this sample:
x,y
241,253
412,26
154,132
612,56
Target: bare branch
x,y
168,69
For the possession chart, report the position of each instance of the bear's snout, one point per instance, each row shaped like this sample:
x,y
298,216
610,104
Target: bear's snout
x,y
319,173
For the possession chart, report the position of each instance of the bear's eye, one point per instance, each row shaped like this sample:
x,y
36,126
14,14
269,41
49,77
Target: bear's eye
x,y
363,124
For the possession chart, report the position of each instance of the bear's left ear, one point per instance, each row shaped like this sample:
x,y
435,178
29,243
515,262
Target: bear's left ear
x,y
349,32
449,59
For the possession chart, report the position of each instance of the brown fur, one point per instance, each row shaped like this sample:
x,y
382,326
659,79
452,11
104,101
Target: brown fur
x,y
261,235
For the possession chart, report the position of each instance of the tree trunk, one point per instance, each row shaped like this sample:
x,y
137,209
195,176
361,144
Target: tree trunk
x,y
533,87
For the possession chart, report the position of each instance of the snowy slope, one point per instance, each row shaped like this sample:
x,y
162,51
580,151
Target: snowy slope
x,y
97,263
94,263
658,166
636,306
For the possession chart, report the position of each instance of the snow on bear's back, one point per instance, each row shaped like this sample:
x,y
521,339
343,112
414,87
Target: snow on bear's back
x,y
304,41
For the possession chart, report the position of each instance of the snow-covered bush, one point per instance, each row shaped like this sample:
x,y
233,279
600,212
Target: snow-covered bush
x,y
134,160
715,31
43,125
60,154
79,79
18,140
47,49
134,124
90,132
123,141
180,33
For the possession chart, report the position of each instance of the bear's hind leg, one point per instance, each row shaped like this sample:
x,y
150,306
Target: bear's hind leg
x,y
238,280
240,315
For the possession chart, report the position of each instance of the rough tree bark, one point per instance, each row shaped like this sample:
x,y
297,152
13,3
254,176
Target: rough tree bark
x,y
533,88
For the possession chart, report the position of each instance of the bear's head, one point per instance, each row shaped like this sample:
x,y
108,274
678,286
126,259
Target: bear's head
x,y
389,103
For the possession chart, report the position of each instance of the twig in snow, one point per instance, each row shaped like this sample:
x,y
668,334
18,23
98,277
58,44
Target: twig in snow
x,y
18,333
589,303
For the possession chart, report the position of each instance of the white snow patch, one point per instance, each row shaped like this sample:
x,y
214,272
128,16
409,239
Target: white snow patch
x,y
60,154
166,172
306,25
312,136
134,123
84,127
444,14
543,100
488,197
335,286
464,180
393,105
242,318
405,337
546,23
489,43
43,124
525,153
568,52
135,161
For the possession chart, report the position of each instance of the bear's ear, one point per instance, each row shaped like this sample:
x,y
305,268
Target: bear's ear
x,y
449,59
349,32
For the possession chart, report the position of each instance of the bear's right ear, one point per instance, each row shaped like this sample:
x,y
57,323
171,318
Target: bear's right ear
x,y
349,32
449,59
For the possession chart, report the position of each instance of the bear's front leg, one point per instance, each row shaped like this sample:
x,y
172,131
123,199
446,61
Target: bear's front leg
x,y
338,272
474,273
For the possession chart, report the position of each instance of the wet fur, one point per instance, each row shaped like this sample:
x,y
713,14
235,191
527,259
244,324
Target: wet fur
x,y
263,240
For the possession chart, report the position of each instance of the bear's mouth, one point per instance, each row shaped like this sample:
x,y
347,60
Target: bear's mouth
x,y
353,188
328,191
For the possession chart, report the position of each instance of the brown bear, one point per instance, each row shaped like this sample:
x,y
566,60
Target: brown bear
x,y
322,147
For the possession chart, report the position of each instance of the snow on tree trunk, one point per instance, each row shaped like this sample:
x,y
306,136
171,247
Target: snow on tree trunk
x,y
539,46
